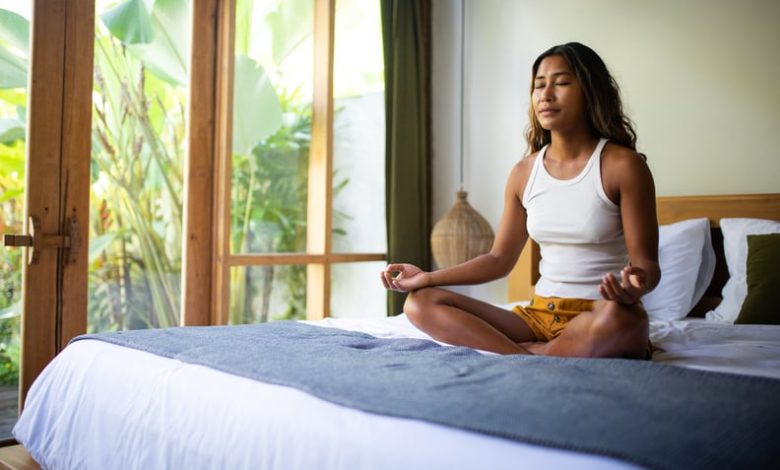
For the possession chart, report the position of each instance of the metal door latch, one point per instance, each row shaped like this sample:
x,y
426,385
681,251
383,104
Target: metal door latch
x,y
37,240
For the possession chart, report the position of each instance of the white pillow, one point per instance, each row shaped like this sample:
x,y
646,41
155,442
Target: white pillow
x,y
735,232
687,262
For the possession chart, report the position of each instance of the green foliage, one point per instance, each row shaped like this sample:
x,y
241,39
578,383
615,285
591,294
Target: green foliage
x,y
269,215
290,23
167,55
12,148
130,22
11,130
14,34
15,31
13,70
253,123
138,129
9,350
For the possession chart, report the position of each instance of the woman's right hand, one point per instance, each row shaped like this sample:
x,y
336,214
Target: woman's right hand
x,y
404,277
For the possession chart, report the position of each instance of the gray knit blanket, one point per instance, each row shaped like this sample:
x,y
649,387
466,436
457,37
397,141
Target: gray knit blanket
x,y
649,414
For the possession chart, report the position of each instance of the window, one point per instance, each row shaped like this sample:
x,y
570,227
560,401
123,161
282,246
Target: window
x,y
306,172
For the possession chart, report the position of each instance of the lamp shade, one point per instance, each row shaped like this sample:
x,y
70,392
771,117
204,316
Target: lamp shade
x,y
462,234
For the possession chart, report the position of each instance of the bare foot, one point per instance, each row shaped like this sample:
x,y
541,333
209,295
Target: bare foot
x,y
537,348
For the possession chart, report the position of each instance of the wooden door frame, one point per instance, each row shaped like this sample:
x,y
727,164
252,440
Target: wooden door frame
x,y
57,178
206,105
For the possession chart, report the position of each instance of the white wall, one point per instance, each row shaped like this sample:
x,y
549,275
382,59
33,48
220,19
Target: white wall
x,y
700,78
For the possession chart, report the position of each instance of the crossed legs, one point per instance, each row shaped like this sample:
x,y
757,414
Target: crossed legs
x,y
610,330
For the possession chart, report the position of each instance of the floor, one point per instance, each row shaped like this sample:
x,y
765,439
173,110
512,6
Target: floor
x,y
13,457
9,408
16,458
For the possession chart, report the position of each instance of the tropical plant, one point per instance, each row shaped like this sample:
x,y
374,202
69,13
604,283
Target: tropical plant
x,y
137,166
14,32
270,177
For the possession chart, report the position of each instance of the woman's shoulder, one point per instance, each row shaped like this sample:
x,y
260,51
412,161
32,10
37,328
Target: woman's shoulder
x,y
521,172
617,152
621,158
620,164
524,166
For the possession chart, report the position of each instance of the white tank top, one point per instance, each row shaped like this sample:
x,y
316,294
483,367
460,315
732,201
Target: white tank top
x,y
577,227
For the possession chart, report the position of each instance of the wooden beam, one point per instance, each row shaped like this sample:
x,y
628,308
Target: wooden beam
x,y
259,259
199,168
319,209
223,158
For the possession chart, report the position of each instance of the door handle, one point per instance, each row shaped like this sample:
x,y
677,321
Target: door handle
x,y
36,243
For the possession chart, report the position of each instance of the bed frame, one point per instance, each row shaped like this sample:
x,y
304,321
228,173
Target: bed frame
x,y
671,209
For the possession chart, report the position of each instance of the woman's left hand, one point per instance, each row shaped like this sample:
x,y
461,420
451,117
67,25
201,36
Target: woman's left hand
x,y
629,289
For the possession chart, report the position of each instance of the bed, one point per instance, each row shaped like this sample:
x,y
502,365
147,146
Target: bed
x,y
101,404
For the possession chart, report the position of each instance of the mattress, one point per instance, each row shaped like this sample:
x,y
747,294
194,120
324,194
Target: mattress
x,y
98,405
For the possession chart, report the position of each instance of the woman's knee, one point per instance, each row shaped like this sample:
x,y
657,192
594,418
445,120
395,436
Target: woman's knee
x,y
418,305
626,321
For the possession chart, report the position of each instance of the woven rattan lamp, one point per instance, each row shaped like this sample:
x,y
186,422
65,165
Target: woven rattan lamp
x,y
462,233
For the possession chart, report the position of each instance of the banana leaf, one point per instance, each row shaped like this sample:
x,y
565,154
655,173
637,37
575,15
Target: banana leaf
x,y
130,22
257,113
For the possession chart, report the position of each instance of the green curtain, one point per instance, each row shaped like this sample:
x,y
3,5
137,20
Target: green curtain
x,y
406,36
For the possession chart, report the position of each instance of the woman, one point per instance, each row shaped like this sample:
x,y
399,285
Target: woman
x,y
587,197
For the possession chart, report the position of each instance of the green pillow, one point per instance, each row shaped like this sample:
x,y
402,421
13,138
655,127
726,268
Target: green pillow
x,y
762,304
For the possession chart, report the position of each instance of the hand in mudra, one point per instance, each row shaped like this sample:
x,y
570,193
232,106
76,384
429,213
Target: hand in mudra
x,y
404,277
629,289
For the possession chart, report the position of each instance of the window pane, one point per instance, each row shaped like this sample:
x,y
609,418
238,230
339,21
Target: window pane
x,y
271,125
359,130
138,135
266,293
14,51
357,291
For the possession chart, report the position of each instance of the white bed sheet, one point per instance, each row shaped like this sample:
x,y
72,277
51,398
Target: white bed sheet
x,y
103,406
719,347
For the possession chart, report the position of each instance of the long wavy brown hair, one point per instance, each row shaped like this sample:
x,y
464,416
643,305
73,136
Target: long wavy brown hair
x,y
602,98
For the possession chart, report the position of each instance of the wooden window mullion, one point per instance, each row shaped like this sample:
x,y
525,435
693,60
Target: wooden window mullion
x,y
319,207
223,155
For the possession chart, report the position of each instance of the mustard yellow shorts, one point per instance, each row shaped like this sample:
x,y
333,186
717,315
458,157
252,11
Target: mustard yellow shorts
x,y
547,317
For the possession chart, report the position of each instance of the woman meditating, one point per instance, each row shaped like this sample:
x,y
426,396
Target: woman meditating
x,y
587,198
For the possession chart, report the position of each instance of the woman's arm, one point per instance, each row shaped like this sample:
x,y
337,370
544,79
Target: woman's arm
x,y
498,262
629,183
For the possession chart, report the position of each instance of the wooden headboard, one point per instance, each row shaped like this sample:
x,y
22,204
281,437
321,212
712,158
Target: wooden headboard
x,y
670,209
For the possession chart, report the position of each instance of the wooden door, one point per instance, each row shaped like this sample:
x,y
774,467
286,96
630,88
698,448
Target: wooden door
x,y
54,275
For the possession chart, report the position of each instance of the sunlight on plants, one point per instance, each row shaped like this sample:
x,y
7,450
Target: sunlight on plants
x,y
14,50
142,49
138,151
